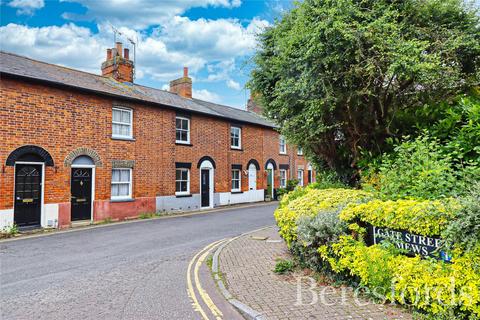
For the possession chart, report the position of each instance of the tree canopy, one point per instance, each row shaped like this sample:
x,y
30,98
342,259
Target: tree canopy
x,y
342,76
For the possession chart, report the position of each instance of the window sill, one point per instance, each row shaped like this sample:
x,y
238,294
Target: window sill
x,y
236,149
123,200
180,143
123,138
236,192
282,153
183,195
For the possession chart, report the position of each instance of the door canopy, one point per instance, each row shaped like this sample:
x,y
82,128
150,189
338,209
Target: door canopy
x,y
30,153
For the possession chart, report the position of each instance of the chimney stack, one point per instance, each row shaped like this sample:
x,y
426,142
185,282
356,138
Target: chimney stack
x,y
117,66
182,86
253,104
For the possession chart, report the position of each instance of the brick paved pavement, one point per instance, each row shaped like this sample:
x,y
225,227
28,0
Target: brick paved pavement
x,y
247,264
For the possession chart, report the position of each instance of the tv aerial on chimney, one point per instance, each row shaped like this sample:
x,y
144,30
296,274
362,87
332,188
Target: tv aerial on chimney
x,y
117,33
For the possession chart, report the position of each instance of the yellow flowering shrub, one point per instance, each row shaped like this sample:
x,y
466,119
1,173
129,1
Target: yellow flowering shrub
x,y
425,217
430,285
310,203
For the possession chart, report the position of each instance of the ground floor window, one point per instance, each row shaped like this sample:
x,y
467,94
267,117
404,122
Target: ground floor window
x,y
121,184
235,180
300,177
283,178
182,181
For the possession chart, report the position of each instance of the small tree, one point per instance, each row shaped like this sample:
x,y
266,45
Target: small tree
x,y
341,76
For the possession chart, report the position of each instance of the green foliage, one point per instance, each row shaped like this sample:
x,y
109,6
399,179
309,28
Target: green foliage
x,y
326,179
464,231
425,217
309,202
430,285
9,231
147,215
291,185
283,266
418,168
342,76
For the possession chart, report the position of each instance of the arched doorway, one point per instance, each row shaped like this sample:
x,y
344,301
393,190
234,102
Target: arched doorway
x,y
252,167
270,166
207,172
29,162
82,186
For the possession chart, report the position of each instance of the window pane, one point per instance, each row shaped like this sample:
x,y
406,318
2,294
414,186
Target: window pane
x,y
126,116
123,189
183,186
184,175
116,129
178,175
178,123
177,186
185,124
178,135
115,175
125,176
117,115
183,136
114,190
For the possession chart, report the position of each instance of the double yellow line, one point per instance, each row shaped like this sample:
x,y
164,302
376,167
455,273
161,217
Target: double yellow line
x,y
198,259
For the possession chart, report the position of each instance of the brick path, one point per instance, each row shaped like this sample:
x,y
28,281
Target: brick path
x,y
247,264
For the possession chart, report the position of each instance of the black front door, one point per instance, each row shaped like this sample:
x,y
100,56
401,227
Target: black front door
x,y
81,193
28,194
309,176
205,177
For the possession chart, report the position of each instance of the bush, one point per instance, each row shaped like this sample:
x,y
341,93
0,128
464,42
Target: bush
x,y
416,169
433,286
324,228
425,217
291,185
309,202
464,230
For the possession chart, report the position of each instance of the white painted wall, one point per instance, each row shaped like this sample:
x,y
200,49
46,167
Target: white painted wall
x,y
227,198
50,216
6,218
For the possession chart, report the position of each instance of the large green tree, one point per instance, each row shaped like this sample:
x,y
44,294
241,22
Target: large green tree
x,y
339,76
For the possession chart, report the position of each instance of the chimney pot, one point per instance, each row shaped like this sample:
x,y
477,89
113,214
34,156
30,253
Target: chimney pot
x,y
109,54
126,54
119,48
185,72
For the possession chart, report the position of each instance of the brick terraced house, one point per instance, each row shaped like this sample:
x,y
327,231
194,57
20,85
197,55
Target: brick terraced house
x,y
80,146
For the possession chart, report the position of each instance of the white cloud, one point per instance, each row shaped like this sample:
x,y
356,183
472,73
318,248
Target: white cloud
x,y
26,7
232,84
139,14
206,95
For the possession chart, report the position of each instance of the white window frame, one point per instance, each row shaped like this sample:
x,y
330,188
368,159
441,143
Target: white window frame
x,y
188,131
180,193
283,177
239,180
119,136
300,177
239,137
299,151
282,145
130,183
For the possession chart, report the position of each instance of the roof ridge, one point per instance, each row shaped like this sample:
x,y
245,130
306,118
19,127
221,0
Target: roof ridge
x,y
52,64
230,107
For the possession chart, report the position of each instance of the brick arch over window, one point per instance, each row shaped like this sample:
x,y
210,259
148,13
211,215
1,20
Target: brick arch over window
x,y
83,152
206,158
25,153
254,162
274,164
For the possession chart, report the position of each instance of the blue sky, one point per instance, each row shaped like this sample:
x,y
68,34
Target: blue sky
x,y
214,38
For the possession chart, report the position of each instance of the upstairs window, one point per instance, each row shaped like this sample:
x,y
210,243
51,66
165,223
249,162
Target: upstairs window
x,y
236,137
121,184
182,134
283,145
122,120
182,181
236,180
300,151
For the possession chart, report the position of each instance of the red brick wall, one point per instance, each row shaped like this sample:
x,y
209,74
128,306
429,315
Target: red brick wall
x,y
61,120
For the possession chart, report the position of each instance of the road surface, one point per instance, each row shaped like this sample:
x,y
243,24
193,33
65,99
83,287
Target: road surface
x,y
120,271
